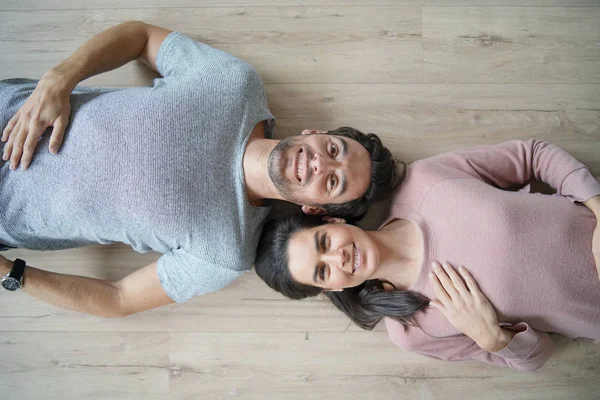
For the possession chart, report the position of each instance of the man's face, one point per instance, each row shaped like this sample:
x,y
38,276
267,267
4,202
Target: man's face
x,y
315,168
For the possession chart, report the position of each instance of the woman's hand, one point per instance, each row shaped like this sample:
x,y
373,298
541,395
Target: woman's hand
x,y
47,106
466,308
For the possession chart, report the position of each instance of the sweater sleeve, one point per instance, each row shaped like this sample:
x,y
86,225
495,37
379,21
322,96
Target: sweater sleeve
x,y
516,162
527,351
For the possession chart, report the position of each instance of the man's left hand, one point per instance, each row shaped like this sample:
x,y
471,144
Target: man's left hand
x,y
5,266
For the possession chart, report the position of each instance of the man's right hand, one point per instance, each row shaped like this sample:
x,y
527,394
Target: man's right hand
x,y
47,106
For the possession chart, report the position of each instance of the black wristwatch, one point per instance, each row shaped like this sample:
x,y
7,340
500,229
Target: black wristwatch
x,y
13,281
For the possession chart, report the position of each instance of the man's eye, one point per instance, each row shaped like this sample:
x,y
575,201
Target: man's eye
x,y
333,151
333,182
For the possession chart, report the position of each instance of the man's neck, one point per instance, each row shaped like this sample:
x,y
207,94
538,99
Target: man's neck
x,y
256,166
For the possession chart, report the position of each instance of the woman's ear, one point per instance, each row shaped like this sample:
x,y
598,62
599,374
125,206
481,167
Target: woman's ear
x,y
313,210
333,220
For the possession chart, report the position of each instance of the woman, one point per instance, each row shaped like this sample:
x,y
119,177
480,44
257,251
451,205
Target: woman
x,y
531,255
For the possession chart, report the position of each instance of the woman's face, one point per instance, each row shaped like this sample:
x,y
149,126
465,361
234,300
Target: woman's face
x,y
332,256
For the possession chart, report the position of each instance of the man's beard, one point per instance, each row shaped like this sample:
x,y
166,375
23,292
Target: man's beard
x,y
282,185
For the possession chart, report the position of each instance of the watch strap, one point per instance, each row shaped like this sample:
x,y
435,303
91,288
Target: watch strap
x,y
18,269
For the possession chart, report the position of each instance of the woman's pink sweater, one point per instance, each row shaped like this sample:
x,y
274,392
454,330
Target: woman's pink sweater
x,y
531,254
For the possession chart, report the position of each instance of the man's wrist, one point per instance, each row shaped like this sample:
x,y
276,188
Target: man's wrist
x,y
63,77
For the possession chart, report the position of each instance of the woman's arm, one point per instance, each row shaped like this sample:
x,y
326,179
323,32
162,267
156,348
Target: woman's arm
x,y
49,105
594,205
527,351
469,311
516,163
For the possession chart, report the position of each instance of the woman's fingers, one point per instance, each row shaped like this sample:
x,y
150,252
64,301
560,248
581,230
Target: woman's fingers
x,y
445,280
439,290
457,281
471,284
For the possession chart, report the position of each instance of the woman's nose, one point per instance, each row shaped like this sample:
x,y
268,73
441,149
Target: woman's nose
x,y
336,258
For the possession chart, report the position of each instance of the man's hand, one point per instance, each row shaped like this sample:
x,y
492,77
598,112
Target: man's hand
x,y
5,266
594,205
47,106
467,309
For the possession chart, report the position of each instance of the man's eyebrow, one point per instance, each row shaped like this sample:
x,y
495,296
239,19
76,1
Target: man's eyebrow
x,y
342,185
344,147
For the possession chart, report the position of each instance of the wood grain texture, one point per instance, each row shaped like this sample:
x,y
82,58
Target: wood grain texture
x,y
116,4
511,44
429,76
302,45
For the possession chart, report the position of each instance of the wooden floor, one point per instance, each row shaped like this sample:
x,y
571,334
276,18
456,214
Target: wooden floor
x,y
427,75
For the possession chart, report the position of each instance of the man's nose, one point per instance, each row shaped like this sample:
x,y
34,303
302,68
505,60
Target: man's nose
x,y
319,165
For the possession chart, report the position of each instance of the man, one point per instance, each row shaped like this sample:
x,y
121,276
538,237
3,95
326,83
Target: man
x,y
181,167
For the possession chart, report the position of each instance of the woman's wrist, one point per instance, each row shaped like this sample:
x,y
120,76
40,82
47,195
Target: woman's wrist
x,y
594,205
498,339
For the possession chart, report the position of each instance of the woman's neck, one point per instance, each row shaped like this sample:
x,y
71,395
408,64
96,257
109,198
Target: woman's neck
x,y
400,248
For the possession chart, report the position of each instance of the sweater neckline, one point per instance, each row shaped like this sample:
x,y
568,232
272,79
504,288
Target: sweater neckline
x,y
409,214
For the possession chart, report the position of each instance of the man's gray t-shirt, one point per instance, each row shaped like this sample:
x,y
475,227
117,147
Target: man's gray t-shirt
x,y
158,168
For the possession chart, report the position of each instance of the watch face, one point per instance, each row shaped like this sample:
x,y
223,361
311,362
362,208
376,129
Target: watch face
x,y
11,284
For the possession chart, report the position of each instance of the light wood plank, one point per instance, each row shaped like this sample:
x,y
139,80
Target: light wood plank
x,y
357,44
360,365
116,4
368,71
500,44
92,366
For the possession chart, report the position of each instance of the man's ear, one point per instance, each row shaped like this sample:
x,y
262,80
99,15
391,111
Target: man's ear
x,y
313,210
333,220
312,131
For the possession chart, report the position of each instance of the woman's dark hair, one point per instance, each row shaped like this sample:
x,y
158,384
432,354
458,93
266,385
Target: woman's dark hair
x,y
365,304
385,175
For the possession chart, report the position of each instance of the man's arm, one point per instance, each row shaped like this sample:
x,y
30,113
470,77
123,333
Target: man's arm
x,y
49,105
138,291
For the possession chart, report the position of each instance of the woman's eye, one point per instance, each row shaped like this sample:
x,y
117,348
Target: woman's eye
x,y
322,274
324,242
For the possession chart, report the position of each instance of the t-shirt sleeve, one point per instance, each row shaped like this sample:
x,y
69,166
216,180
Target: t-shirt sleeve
x,y
184,275
517,162
188,67
527,351
181,55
